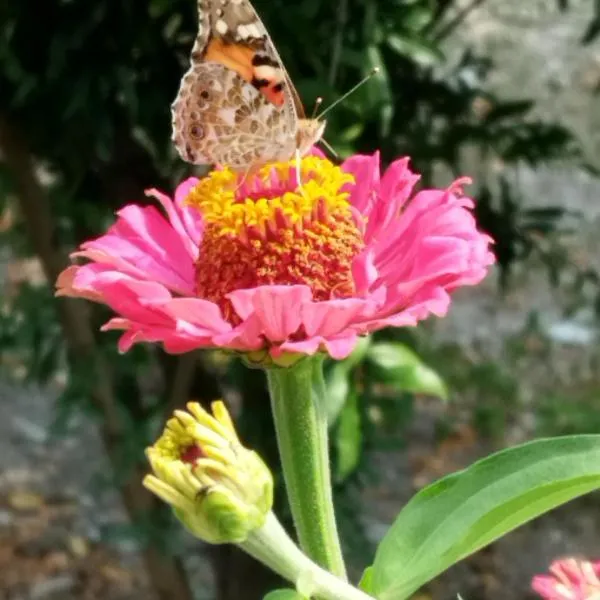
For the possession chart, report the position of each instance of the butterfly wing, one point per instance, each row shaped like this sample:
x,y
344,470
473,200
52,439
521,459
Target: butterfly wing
x,y
220,119
236,104
235,27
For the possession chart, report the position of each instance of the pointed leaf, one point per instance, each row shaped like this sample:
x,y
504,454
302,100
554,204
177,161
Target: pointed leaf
x,y
398,365
366,581
338,388
338,380
416,49
348,439
464,512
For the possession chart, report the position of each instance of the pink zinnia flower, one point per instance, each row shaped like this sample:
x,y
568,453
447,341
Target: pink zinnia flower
x,y
569,579
267,267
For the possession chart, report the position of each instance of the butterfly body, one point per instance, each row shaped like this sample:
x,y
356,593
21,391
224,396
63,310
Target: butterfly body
x,y
236,105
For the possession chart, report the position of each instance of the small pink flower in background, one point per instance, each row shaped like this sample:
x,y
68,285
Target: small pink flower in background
x,y
569,579
264,266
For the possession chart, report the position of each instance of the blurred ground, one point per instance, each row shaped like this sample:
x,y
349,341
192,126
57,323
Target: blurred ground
x,y
54,510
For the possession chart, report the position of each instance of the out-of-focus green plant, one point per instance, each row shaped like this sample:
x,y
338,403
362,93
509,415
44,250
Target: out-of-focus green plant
x,y
378,378
569,413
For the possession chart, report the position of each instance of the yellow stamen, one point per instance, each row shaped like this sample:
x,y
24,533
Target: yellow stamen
x,y
268,231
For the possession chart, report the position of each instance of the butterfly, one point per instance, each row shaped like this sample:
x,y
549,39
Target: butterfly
x,y
236,105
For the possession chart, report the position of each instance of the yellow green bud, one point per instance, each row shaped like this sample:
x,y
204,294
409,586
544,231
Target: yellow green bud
x,y
218,489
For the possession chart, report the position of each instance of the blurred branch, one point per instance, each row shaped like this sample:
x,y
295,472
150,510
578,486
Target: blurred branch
x,y
460,16
181,383
38,221
338,41
166,573
441,7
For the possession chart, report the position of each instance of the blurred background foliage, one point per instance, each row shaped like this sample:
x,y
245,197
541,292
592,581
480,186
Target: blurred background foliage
x,y
85,90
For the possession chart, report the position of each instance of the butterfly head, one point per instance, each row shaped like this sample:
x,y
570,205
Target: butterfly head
x,y
309,133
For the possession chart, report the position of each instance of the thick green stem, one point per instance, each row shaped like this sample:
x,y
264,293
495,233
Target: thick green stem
x,y
301,425
273,547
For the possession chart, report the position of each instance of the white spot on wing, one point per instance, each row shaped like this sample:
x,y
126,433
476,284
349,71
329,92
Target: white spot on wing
x,y
221,27
215,85
227,115
265,72
253,30
248,93
264,112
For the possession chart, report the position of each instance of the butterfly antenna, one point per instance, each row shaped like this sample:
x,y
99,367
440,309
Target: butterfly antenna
x,y
318,103
329,147
364,80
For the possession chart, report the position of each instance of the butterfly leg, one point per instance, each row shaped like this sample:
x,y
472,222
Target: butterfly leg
x,y
242,181
299,171
250,171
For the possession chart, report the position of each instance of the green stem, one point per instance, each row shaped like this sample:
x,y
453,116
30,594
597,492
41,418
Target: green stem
x,y
298,401
272,546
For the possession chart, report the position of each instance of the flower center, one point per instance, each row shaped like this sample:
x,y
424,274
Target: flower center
x,y
191,454
268,230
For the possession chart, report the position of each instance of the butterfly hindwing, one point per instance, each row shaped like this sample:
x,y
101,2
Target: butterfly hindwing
x,y
218,118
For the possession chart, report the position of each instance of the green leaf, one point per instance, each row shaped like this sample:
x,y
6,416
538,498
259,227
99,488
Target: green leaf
x,y
397,365
348,438
415,49
380,88
352,133
286,594
338,388
417,18
461,513
366,581
338,379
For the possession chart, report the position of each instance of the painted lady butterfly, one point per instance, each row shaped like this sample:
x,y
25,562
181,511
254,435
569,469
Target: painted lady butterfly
x,y
236,105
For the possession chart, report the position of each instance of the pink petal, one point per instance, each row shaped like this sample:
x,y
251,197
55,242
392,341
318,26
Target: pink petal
x,y
316,151
277,308
68,283
364,271
366,173
416,253
203,315
569,579
396,187
143,244
185,219
328,319
247,336
338,348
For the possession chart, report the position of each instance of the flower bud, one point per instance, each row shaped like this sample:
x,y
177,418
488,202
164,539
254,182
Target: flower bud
x,y
218,489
